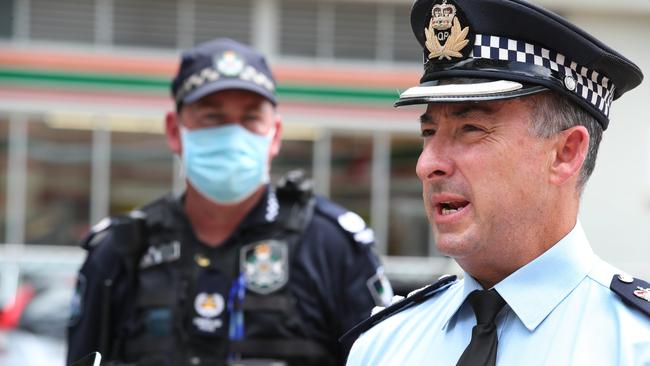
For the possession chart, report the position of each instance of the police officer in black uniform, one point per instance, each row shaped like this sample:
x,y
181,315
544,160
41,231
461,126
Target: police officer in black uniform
x,y
235,271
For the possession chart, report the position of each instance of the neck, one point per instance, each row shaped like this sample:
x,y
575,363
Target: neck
x,y
526,242
212,222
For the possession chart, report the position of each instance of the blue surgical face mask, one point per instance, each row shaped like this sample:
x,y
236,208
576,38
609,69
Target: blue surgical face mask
x,y
225,163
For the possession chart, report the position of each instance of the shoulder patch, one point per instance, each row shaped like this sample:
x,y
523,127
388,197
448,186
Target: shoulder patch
x,y
77,302
413,299
99,231
96,233
380,288
349,221
633,291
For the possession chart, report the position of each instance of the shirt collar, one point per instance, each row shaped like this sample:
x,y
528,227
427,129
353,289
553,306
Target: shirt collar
x,y
469,285
535,289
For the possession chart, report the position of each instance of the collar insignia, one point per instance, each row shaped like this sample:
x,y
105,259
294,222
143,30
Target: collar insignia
x,y
445,37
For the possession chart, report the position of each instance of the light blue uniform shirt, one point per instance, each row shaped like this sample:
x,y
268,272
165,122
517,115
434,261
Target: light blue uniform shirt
x,y
560,311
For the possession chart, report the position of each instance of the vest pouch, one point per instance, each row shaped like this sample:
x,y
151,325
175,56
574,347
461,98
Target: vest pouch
x,y
157,322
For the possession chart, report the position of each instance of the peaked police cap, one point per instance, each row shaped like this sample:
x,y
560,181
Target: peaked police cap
x,y
478,50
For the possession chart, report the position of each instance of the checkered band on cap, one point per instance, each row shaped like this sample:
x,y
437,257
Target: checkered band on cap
x,y
588,84
210,74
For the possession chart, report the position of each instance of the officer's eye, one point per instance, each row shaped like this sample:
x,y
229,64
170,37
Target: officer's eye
x,y
252,117
427,132
471,128
211,118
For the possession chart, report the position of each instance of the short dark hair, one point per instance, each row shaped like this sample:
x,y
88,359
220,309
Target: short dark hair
x,y
552,113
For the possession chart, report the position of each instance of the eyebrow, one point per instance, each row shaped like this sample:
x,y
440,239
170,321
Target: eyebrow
x,y
425,118
464,110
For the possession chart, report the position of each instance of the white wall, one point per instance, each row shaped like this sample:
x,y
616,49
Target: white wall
x,y
616,203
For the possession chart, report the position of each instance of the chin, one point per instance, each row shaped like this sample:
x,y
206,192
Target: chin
x,y
455,245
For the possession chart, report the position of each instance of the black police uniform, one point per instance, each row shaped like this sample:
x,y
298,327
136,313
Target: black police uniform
x,y
295,275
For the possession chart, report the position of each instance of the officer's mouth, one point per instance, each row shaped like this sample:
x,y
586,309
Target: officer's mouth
x,y
450,208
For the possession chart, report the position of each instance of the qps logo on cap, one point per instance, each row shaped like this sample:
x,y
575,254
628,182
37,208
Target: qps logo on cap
x,y
229,63
221,64
447,35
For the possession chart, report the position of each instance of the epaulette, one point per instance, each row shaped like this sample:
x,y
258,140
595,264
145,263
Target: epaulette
x,y
413,299
99,231
349,221
295,185
633,291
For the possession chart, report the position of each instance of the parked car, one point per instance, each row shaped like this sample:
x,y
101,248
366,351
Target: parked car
x,y
36,287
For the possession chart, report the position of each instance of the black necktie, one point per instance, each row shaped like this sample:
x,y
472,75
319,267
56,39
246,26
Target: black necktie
x,y
482,349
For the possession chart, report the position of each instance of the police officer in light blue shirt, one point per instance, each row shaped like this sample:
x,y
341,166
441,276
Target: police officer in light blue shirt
x,y
516,103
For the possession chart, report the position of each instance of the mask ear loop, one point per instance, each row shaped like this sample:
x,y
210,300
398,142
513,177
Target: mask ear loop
x,y
271,133
179,177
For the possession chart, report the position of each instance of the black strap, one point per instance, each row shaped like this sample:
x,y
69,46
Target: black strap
x,y
268,303
129,233
282,349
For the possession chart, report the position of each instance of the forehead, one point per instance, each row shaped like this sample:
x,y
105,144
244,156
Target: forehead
x,y
231,97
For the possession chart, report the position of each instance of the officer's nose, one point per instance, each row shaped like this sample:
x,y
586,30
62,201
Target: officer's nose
x,y
435,160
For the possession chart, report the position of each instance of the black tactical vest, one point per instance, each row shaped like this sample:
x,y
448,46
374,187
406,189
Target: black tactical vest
x,y
192,305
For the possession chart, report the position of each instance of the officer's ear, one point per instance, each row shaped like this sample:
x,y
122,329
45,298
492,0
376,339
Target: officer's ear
x,y
173,132
570,152
276,140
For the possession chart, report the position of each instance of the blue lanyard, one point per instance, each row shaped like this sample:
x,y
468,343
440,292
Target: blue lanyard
x,y
235,308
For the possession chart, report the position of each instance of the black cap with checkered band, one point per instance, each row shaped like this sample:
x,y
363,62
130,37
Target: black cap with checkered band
x,y
221,64
477,50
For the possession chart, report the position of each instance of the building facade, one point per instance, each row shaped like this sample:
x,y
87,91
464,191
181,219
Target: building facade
x,y
84,86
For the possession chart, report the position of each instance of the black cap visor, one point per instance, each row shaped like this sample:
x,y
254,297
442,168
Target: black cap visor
x,y
466,90
225,84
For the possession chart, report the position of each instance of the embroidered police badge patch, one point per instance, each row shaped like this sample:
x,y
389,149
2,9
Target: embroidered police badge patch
x,y
208,306
265,265
208,314
447,35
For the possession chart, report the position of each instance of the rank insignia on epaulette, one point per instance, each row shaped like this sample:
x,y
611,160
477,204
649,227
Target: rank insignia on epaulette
x,y
633,291
354,224
642,293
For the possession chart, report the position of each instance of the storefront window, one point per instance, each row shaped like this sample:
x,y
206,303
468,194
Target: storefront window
x,y
58,183
294,154
409,233
141,169
4,146
351,166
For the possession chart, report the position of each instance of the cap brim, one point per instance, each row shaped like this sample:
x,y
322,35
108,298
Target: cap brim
x,y
466,91
221,85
